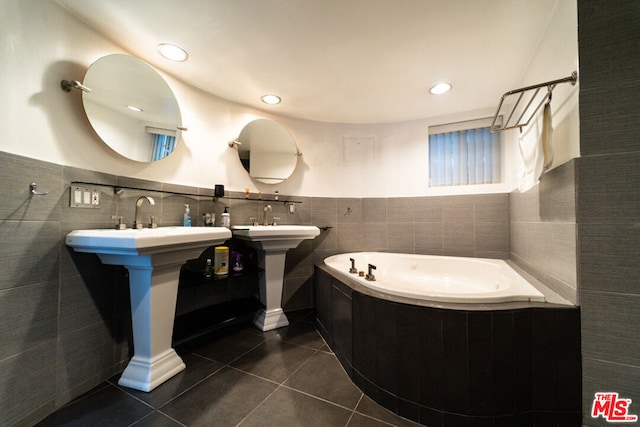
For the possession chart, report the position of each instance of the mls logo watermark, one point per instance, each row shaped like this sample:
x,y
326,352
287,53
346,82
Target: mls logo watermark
x,y
612,408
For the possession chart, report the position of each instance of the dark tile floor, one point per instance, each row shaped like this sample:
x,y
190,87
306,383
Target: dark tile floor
x,y
240,377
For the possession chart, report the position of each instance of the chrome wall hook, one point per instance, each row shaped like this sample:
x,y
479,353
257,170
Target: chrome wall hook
x,y
67,85
33,187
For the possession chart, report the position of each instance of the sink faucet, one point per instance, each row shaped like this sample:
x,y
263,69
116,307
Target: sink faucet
x,y
267,208
138,222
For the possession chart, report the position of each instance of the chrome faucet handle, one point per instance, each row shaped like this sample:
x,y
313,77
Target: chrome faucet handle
x,y
370,275
153,223
353,269
137,224
275,220
254,220
120,225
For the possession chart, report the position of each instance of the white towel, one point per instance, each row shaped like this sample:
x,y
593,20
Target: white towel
x,y
546,139
531,160
536,151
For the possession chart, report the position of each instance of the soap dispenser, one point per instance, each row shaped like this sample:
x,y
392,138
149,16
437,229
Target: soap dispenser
x,y
226,217
187,216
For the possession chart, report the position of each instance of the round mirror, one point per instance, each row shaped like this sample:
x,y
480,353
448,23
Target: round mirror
x,y
267,151
132,108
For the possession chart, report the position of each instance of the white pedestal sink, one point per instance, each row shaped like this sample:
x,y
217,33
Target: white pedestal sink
x,y
153,258
272,244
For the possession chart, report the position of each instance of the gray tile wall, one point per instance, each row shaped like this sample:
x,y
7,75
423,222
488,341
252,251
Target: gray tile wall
x,y
65,323
473,226
543,231
29,282
608,199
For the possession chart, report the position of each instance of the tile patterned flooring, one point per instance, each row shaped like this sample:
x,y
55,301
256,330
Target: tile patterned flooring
x,y
240,377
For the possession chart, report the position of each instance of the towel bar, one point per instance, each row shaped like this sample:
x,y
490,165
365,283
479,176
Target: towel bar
x,y
550,85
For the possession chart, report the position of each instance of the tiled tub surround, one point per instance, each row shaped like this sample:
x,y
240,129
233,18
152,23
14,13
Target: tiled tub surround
x,y
543,231
470,225
507,364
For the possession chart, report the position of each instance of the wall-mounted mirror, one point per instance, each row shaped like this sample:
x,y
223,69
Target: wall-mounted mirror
x,y
267,151
132,108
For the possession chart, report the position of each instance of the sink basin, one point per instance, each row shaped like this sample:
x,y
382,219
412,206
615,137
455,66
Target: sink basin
x,y
147,240
272,244
153,258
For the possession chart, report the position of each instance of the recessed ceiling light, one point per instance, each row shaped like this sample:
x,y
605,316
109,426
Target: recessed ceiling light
x,y
440,88
173,52
134,108
271,99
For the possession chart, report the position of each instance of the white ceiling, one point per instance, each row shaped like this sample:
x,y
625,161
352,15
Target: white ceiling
x,y
352,61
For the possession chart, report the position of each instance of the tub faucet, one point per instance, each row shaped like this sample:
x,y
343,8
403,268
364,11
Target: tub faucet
x,y
353,268
138,222
267,208
370,275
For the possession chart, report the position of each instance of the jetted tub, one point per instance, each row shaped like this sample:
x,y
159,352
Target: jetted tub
x,y
445,340
438,278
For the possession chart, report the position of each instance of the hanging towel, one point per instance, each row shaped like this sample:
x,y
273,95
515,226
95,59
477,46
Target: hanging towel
x,y
531,159
546,139
536,151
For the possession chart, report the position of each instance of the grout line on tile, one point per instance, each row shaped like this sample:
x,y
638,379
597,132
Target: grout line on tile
x,y
379,420
258,405
318,398
126,391
231,361
300,367
349,420
136,422
253,375
171,418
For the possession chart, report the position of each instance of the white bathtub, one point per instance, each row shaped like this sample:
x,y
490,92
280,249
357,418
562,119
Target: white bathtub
x,y
438,278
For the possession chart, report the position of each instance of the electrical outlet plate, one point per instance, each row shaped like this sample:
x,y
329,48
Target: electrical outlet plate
x,y
84,197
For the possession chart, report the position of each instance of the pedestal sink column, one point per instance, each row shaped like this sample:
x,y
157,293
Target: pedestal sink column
x,y
153,289
153,258
272,243
271,285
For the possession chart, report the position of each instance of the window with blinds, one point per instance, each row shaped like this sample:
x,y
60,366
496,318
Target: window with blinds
x,y
163,145
459,155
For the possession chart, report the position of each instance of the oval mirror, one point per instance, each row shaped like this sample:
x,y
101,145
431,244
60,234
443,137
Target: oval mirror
x,y
267,151
132,108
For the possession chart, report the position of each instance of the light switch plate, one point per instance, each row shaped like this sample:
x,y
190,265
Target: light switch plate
x,y
84,197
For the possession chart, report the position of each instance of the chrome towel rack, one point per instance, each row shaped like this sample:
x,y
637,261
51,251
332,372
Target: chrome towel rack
x,y
521,109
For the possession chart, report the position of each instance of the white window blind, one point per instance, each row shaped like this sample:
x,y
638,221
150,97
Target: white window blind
x,y
464,157
163,145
